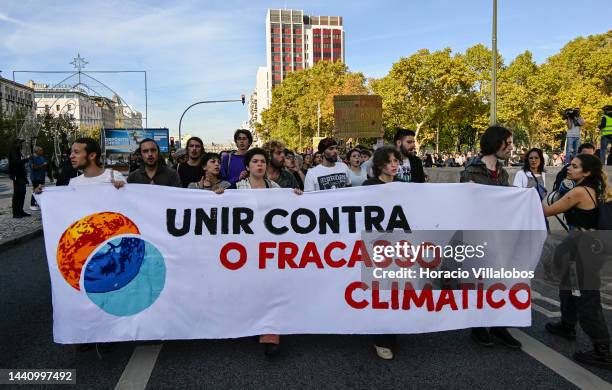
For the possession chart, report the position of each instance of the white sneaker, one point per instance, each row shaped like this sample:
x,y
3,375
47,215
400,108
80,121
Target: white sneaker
x,y
384,353
34,208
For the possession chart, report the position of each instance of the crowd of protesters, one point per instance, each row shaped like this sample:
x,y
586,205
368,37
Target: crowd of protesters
x,y
275,166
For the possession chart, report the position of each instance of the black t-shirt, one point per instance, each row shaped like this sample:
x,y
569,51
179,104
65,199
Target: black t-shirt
x,y
189,173
375,180
299,180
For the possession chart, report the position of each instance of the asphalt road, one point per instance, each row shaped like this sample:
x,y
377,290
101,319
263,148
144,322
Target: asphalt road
x,y
435,360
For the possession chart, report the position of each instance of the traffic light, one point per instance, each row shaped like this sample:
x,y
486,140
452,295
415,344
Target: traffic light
x,y
172,142
243,99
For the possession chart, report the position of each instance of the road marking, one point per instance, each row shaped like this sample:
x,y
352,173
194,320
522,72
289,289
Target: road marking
x,y
547,313
139,368
573,372
537,295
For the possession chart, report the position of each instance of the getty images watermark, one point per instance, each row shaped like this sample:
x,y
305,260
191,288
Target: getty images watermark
x,y
429,255
451,258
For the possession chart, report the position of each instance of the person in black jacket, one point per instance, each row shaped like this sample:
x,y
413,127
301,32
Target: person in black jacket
x,y
67,172
17,173
411,168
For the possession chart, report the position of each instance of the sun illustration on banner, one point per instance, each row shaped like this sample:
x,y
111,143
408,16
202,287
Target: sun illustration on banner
x,y
123,274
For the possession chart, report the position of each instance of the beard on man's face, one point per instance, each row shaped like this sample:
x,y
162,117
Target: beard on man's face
x,y
277,164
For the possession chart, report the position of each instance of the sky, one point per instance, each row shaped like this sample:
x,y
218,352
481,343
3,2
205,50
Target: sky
x,y
210,50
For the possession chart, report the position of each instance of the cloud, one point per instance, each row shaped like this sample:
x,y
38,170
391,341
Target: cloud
x,y
6,18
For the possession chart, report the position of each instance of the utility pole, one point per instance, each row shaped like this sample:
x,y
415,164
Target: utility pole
x,y
493,119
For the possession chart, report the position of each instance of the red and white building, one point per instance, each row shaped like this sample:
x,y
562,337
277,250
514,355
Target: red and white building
x,y
295,41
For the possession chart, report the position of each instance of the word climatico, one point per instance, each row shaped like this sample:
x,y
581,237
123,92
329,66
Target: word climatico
x,y
406,250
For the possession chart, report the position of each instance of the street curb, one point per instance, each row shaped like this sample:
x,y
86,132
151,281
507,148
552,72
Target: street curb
x,y
10,242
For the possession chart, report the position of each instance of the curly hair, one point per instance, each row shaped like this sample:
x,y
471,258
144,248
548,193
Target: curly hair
x,y
273,145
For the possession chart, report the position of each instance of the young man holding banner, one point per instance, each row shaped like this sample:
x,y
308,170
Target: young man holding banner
x,y
487,169
85,155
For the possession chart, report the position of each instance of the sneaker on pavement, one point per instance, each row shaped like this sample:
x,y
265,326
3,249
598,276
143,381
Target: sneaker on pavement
x,y
561,329
384,352
34,208
481,336
506,338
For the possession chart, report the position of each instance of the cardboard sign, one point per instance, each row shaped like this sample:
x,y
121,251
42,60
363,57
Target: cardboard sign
x,y
358,116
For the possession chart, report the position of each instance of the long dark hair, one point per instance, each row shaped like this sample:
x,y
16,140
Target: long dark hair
x,y
597,180
527,166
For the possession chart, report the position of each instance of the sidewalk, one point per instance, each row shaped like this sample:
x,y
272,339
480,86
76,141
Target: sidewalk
x,y
14,230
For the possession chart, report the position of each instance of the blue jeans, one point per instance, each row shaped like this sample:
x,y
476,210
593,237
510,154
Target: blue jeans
x,y
603,147
571,148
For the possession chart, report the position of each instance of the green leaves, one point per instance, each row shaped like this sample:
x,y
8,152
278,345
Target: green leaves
x,y
294,102
444,96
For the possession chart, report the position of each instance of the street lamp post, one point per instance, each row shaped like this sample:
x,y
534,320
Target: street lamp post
x,y
242,99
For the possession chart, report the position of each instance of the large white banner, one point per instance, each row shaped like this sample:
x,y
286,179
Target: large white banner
x,y
151,263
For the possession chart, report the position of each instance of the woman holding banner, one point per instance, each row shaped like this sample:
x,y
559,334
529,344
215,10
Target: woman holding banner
x,y
256,161
385,164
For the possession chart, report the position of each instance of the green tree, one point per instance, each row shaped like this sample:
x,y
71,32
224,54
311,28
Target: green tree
x,y
421,91
294,107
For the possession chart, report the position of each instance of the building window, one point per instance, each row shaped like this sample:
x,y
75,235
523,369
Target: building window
x,y
57,107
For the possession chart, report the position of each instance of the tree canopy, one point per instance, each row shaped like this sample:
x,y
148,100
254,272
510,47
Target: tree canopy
x,y
444,96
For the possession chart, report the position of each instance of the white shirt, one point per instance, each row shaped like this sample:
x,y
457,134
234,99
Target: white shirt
x,y
521,179
105,177
326,178
404,173
245,184
357,179
573,128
